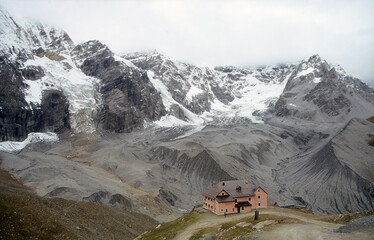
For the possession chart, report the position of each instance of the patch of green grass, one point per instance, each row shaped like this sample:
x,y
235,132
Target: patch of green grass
x,y
200,234
228,225
229,230
236,232
170,230
345,218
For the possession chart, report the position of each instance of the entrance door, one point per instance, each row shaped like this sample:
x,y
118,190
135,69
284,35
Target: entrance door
x,y
238,209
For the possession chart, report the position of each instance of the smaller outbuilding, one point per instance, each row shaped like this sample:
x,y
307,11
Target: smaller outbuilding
x,y
228,197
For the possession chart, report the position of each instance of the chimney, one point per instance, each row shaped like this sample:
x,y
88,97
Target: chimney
x,y
238,188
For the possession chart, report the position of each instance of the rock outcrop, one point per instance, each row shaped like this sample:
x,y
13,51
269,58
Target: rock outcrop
x,y
19,42
317,91
129,98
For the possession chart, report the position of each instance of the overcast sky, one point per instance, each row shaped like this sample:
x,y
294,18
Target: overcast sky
x,y
211,33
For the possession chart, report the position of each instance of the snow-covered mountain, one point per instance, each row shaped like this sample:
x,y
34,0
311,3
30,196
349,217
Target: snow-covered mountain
x,y
94,89
285,127
192,93
319,92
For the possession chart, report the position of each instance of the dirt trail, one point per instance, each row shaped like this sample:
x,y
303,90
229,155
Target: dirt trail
x,y
310,228
209,220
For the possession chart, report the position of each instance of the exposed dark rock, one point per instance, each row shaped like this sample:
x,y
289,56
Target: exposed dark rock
x,y
318,92
15,124
325,96
119,201
58,191
16,119
129,97
177,112
221,93
167,196
54,56
11,85
115,200
33,72
97,197
39,52
55,109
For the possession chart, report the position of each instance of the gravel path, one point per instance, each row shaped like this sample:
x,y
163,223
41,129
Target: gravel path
x,y
309,228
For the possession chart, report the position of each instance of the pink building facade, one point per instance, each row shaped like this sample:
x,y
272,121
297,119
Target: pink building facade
x,y
228,197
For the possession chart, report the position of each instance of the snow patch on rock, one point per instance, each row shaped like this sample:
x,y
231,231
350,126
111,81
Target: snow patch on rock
x,y
80,90
10,146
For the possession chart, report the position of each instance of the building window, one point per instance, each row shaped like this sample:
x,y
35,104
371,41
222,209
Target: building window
x,y
233,209
221,209
242,208
249,199
236,200
259,204
226,209
223,194
258,190
258,197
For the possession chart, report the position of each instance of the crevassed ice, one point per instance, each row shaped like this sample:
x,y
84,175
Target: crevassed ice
x,y
80,90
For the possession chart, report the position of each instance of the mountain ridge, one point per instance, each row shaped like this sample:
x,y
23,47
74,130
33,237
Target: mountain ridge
x,y
145,132
177,93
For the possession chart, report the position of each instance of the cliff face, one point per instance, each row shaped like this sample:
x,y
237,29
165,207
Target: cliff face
x,y
21,42
17,117
319,92
128,96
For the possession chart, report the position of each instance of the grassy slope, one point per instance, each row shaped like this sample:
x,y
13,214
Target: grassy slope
x,y
170,230
23,215
230,230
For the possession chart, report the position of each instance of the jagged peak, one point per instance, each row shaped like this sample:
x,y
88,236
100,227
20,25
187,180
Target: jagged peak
x,y
20,36
315,58
89,48
144,53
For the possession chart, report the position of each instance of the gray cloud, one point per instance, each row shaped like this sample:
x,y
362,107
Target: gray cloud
x,y
210,33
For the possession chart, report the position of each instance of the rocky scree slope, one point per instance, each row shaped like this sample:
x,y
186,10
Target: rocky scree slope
x,y
333,177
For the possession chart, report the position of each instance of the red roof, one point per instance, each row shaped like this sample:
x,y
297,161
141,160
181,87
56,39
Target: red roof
x,y
235,189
